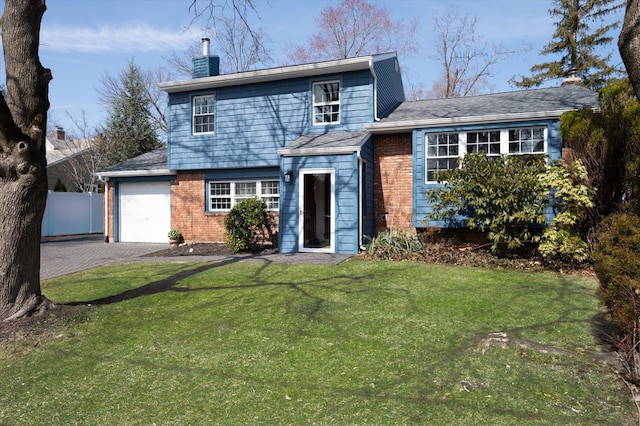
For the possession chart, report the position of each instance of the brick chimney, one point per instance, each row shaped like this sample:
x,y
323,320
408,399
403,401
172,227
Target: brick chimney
x,y
572,78
58,133
206,65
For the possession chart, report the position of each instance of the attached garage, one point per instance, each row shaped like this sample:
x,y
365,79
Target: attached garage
x,y
144,211
138,199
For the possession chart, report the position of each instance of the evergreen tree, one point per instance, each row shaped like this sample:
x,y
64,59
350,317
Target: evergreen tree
x,y
130,129
576,42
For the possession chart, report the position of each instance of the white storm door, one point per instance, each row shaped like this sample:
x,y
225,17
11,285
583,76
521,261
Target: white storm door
x,y
316,231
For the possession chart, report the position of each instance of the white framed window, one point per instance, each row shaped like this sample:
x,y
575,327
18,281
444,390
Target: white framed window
x,y
444,149
527,140
326,102
486,141
224,195
203,114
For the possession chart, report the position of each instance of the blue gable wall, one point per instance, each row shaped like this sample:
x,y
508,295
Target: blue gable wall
x,y
253,121
390,88
421,206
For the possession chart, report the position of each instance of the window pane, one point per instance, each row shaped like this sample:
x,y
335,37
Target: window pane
x,y
270,187
245,189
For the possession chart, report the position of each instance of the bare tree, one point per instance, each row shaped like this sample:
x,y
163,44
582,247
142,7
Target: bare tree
x,y
241,49
355,28
629,43
466,61
23,176
82,158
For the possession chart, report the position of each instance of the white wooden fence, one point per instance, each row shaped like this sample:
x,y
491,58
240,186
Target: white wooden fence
x,y
70,213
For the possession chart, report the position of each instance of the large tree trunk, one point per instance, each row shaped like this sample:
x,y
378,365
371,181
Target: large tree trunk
x,y
23,177
629,43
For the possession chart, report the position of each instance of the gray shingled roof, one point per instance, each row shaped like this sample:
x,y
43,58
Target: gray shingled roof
x,y
326,143
552,99
151,161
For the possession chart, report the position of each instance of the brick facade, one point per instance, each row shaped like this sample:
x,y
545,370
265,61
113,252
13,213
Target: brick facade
x,y
393,182
188,213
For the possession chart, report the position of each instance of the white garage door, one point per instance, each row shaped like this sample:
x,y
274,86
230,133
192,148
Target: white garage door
x,y
145,211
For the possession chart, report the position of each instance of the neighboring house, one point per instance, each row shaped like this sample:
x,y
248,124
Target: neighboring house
x,y
331,147
67,160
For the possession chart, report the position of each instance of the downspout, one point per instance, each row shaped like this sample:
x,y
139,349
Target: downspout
x,y
375,92
360,209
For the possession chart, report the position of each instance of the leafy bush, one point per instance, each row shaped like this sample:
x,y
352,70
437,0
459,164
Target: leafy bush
x,y
502,195
570,197
249,226
508,196
617,256
391,245
174,234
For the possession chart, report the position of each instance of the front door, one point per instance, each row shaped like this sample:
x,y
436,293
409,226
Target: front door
x,y
317,210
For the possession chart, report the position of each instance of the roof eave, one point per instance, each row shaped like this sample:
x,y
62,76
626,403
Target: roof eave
x,y
271,74
408,125
286,152
135,173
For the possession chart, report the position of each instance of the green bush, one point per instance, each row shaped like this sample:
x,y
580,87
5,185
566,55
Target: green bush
x,y
570,197
391,245
617,255
502,195
508,196
250,226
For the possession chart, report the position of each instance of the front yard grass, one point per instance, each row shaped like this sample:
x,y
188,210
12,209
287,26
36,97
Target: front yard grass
x,y
364,342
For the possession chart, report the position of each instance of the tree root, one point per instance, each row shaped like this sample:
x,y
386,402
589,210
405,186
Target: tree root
x,y
36,308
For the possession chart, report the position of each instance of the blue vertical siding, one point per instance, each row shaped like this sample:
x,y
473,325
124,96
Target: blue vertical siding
x,y
346,202
390,89
421,205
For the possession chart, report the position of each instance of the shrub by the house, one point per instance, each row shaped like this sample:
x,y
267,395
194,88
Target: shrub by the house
x,y
250,226
617,254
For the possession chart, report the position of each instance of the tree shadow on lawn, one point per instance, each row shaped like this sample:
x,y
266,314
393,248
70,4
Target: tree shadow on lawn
x,y
331,282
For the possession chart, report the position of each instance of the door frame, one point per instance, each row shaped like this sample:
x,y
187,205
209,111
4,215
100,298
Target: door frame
x,y
332,209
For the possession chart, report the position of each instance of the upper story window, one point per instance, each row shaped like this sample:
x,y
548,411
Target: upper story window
x,y
444,149
203,113
326,102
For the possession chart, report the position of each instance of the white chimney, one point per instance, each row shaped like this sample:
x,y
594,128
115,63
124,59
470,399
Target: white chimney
x,y
205,46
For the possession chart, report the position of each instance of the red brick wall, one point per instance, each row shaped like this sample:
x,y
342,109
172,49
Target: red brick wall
x,y
393,181
188,213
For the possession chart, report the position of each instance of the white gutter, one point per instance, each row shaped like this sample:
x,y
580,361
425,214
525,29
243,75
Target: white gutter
x,y
319,151
136,173
270,74
408,125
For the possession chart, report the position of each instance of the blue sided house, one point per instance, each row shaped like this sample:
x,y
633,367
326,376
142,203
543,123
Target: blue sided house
x,y
332,148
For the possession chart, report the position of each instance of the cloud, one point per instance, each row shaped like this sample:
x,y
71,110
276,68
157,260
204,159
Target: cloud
x,y
129,37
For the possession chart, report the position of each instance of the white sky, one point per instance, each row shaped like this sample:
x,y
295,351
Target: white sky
x,y
83,39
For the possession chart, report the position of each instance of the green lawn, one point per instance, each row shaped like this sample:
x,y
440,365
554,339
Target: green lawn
x,y
362,343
